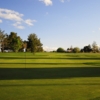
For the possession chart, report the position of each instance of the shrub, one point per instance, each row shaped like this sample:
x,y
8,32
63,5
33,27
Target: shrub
x,y
76,50
60,49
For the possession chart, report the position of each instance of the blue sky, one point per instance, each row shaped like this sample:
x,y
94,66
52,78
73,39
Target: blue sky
x,y
58,23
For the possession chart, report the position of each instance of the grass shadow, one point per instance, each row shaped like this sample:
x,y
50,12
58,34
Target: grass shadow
x,y
48,73
97,98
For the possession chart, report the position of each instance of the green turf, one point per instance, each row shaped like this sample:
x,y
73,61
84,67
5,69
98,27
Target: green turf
x,y
49,76
49,59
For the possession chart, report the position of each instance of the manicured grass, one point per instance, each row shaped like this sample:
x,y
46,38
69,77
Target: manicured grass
x,y
51,89
49,59
49,76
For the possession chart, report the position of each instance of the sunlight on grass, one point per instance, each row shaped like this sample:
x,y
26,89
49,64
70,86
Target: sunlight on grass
x,y
49,76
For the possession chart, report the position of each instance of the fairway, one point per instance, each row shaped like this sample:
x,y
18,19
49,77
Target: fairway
x,y
50,76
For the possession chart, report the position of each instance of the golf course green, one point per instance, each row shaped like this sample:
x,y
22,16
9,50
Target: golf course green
x,y
49,76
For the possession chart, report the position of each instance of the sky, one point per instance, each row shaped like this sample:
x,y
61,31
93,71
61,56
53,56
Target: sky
x,y
58,23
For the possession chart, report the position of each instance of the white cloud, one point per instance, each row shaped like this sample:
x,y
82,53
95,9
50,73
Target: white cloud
x,y
0,21
30,22
46,48
16,17
47,2
99,28
10,14
18,25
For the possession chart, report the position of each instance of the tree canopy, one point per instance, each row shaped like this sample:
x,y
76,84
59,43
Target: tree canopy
x,y
34,43
87,48
15,41
76,50
2,35
95,47
60,49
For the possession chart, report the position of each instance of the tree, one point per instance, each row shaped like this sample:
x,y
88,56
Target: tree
x,y
95,47
24,46
76,50
39,49
60,49
15,42
34,43
2,36
87,48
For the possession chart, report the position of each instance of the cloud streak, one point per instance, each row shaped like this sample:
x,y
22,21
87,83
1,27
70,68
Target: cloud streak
x,y
0,21
47,2
30,22
18,25
65,0
50,2
16,17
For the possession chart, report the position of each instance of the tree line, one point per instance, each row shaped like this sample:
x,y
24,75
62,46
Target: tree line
x,y
87,49
14,43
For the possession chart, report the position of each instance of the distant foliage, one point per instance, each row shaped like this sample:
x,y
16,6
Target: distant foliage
x,y
87,49
76,50
95,48
2,35
60,49
12,42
